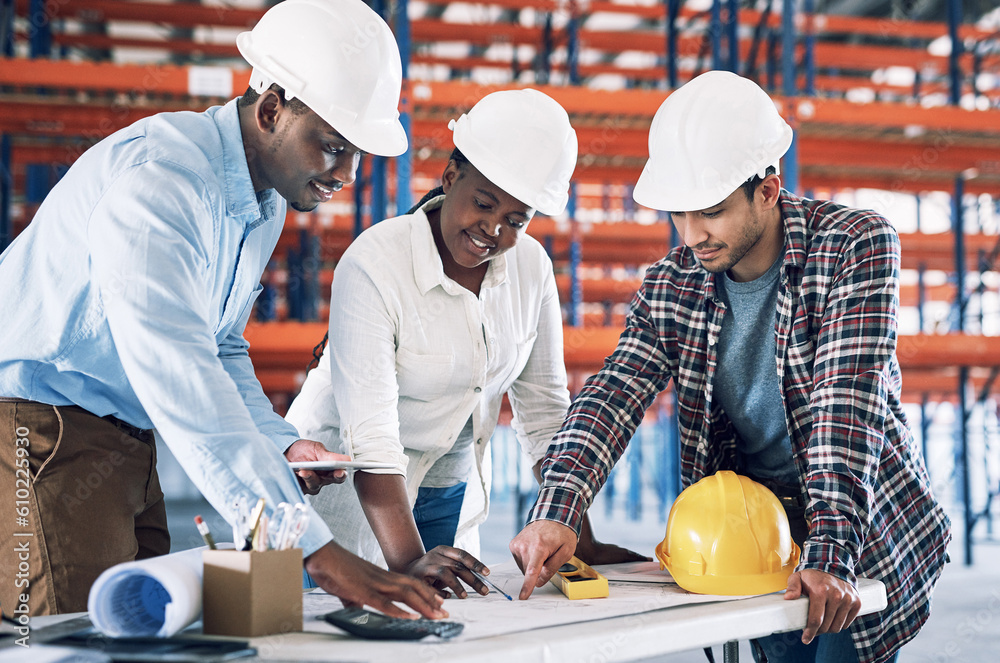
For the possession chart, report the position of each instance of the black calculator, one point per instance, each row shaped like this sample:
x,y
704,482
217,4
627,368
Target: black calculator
x,y
376,626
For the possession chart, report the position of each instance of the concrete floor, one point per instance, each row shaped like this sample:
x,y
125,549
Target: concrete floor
x,y
965,617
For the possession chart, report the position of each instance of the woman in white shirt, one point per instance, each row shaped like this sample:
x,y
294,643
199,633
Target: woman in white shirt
x,y
434,316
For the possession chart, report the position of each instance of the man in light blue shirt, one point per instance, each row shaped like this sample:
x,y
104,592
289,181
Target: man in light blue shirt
x,y
124,305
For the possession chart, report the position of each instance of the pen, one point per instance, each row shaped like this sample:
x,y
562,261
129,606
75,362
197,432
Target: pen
x,y
240,522
300,520
205,533
491,584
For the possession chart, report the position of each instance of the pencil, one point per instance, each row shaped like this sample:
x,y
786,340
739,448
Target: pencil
x,y
204,531
491,584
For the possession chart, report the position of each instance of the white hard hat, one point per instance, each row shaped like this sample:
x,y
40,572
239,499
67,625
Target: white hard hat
x,y
522,141
340,59
707,139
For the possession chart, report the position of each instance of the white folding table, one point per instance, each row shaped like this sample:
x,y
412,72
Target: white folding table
x,y
627,638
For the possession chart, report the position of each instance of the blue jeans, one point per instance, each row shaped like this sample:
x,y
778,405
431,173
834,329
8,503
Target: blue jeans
x,y
436,513
825,648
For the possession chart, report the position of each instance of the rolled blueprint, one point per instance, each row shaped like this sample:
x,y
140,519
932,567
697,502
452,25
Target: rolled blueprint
x,y
154,597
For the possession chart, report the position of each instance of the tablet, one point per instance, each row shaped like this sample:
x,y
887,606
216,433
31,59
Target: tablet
x,y
326,465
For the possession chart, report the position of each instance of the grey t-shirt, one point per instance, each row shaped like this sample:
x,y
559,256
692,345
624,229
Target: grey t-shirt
x,y
746,380
454,467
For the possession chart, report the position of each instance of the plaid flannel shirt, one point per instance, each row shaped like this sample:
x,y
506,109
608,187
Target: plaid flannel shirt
x,y
867,492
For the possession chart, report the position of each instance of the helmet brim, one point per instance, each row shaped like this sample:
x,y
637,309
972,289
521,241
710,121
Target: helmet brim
x,y
654,189
381,138
550,203
384,139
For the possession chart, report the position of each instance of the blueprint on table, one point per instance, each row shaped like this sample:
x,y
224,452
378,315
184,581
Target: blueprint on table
x,y
491,615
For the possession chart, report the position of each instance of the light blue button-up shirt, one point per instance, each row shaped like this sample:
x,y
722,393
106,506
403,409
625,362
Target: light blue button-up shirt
x,y
129,292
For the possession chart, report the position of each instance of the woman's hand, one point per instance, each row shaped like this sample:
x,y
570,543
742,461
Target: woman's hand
x,y
444,566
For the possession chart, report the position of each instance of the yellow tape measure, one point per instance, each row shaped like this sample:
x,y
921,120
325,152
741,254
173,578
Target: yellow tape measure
x,y
578,581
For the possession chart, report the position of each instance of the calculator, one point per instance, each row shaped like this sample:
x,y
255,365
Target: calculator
x,y
376,626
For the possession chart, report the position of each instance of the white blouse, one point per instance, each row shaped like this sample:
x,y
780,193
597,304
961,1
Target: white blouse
x,y
413,355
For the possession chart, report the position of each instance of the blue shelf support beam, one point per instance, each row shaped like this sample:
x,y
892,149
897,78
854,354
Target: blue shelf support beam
x,y
668,470
377,174
962,462
715,34
404,163
7,11
790,164
359,197
6,225
575,313
311,264
925,425
633,500
954,67
573,44
673,10
809,57
39,29
733,35
921,298
788,86
6,179
379,189
543,62
958,229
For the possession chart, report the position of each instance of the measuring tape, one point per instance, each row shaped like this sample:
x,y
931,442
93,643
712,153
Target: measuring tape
x,y
578,581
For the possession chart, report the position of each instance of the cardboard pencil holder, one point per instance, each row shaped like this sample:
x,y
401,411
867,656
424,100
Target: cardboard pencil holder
x,y
249,593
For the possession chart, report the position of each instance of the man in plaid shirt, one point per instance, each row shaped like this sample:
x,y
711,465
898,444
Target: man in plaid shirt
x,y
777,322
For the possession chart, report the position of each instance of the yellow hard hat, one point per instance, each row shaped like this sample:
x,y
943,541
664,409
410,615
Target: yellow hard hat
x,y
728,535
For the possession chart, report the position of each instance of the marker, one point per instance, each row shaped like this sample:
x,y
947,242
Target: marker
x,y
253,523
491,584
260,536
205,533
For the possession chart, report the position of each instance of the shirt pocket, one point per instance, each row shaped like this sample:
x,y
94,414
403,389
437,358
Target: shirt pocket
x,y
423,377
521,357
244,316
